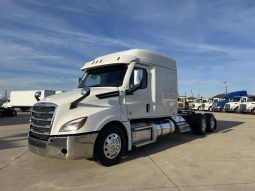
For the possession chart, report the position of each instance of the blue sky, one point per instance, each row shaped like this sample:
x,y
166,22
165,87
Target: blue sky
x,y
43,44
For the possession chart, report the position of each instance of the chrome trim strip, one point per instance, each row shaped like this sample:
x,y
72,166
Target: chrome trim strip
x,y
39,112
49,119
43,127
36,132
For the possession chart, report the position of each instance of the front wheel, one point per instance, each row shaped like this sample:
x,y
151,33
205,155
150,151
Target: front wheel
x,y
110,146
253,111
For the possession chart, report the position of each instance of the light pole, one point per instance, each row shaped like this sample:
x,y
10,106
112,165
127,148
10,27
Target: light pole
x,y
226,87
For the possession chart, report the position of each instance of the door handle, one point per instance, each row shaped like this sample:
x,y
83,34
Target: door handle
x,y
147,107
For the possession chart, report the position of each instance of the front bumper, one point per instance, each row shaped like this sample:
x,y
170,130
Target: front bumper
x,y
64,147
245,110
229,109
217,109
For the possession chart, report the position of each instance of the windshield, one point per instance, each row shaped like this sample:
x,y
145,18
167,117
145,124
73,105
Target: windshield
x,y
251,99
106,76
198,101
204,101
215,100
235,99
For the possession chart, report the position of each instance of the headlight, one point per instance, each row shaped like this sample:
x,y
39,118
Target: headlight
x,y
73,125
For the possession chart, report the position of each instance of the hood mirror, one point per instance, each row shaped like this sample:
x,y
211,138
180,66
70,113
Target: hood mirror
x,y
85,91
38,95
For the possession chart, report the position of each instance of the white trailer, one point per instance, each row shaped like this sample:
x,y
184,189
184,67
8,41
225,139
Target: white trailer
x,y
25,99
124,100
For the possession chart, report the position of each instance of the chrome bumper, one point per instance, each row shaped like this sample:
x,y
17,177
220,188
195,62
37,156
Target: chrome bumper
x,y
64,147
245,110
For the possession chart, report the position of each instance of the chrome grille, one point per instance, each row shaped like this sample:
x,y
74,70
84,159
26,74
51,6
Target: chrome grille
x,y
41,120
242,107
227,106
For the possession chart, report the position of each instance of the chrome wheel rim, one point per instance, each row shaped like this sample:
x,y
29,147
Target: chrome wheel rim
x,y
203,125
212,124
112,146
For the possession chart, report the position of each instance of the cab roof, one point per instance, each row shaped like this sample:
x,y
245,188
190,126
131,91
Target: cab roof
x,y
139,55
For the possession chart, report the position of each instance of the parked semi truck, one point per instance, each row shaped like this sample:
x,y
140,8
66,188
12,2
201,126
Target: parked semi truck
x,y
24,100
234,103
197,105
219,106
207,106
124,100
248,106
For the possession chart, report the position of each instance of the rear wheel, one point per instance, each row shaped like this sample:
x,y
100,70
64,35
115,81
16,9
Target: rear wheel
x,y
110,146
253,111
200,108
197,123
211,123
210,109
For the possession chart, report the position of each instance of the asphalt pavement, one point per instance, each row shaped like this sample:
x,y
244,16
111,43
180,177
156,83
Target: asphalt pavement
x,y
220,161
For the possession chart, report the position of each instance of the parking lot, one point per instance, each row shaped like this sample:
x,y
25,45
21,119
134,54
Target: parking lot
x,y
224,160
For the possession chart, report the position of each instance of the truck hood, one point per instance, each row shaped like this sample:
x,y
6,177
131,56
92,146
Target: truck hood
x,y
70,96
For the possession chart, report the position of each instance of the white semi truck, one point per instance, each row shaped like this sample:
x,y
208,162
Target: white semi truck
x,y
25,99
248,106
197,105
124,100
207,105
234,103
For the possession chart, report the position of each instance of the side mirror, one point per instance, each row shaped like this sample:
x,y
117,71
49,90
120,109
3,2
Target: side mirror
x,y
138,76
85,91
38,95
135,81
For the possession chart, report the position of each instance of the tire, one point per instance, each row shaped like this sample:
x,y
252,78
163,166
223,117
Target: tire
x,y
211,123
253,111
236,110
197,123
210,109
110,146
199,108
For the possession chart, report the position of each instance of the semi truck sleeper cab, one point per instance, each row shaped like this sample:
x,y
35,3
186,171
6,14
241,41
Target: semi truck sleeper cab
x,y
124,100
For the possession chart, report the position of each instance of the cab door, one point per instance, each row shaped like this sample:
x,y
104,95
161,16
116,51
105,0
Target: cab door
x,y
139,102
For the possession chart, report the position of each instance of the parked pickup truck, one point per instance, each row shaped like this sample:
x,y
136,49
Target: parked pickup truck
x,y
234,103
124,100
248,106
